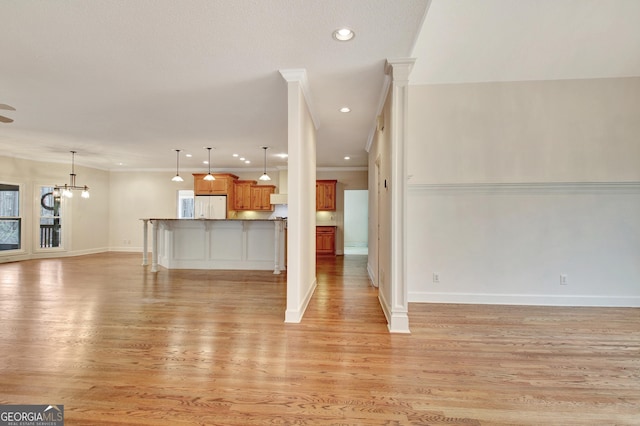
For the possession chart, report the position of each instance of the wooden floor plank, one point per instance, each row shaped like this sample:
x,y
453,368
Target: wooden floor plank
x,y
119,345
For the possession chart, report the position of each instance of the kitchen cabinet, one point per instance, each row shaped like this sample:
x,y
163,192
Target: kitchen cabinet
x,y
326,240
251,196
242,189
326,195
223,185
261,197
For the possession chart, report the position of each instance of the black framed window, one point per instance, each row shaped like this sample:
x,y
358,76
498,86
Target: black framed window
x,y
10,220
50,218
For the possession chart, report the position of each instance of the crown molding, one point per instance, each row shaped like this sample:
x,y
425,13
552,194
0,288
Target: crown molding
x,y
299,75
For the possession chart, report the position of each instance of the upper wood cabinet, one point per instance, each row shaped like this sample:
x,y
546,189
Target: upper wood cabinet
x,y
261,197
242,189
250,196
223,185
326,195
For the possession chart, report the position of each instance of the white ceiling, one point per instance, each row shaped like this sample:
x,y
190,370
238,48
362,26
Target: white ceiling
x,y
129,81
514,40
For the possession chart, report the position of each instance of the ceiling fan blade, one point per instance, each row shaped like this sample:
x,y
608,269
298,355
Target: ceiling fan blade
x,y
5,106
5,119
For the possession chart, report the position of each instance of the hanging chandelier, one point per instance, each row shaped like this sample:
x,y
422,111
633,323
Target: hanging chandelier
x,y
67,190
265,176
209,176
177,177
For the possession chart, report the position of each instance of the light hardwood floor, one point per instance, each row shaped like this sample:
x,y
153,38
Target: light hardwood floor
x,y
118,345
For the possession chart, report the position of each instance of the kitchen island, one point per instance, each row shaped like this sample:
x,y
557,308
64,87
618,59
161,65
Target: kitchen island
x,y
244,244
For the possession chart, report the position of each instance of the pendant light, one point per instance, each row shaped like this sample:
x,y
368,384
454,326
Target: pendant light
x,y
67,190
209,176
177,177
265,176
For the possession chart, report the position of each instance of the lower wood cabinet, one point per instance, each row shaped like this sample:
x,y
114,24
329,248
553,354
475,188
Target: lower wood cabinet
x,y
326,240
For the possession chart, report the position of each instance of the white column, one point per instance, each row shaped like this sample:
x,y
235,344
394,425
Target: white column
x,y
399,71
145,248
154,247
301,142
207,229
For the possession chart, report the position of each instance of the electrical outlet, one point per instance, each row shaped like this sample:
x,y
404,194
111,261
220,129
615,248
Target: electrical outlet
x,y
563,279
436,278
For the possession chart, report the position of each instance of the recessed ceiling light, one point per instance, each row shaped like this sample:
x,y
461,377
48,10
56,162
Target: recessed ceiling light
x,y
283,155
347,158
235,155
343,34
205,162
247,162
188,155
345,109
241,158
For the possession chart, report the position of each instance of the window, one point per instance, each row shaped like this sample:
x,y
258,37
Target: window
x,y
50,219
10,220
185,204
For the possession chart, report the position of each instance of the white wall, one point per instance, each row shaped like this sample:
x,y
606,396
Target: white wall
x,y
536,131
350,178
86,220
138,195
356,218
513,184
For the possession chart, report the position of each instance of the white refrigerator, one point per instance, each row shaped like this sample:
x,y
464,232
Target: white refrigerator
x,y
210,207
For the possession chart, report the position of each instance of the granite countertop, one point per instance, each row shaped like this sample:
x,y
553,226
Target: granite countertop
x,y
227,220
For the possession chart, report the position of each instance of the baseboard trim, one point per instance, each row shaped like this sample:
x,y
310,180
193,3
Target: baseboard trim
x,y
385,307
372,275
526,299
128,249
397,322
295,316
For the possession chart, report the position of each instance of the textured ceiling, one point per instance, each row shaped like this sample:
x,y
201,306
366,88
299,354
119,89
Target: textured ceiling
x,y
129,81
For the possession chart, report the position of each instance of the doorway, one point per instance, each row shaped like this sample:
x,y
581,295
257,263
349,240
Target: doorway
x,y
356,220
